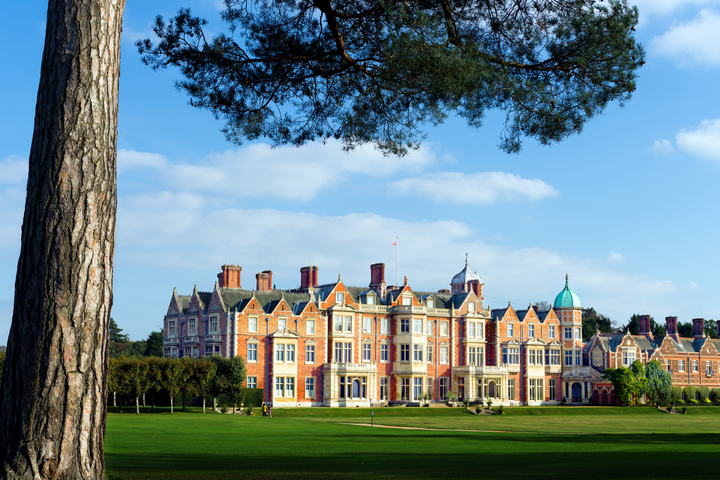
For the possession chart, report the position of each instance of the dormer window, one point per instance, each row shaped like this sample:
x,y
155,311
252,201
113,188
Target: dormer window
x,y
339,297
406,300
282,323
370,300
430,303
471,307
531,330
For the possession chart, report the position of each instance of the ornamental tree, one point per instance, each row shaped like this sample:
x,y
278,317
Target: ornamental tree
x,y
659,383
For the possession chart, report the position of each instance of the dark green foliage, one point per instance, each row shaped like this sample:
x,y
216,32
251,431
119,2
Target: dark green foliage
x,y
116,335
254,397
659,383
704,393
676,395
690,395
591,319
711,328
236,392
154,345
715,395
375,71
685,329
629,383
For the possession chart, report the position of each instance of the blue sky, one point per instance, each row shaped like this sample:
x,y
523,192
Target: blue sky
x,y
628,208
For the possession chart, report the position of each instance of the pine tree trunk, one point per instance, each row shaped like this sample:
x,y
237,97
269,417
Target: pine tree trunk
x,y
214,404
114,399
203,404
54,388
144,400
137,405
172,401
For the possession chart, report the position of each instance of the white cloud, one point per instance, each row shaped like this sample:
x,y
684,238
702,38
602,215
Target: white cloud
x,y
663,147
13,170
693,42
616,257
476,188
703,140
282,172
662,7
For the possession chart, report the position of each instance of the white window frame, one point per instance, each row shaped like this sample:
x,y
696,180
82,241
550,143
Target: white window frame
x,y
407,300
443,358
310,326
213,324
192,322
417,326
444,329
252,382
252,351
430,303
551,332
404,353
367,324
531,330
511,330
384,353
385,325
417,353
695,366
404,325
282,323
252,324
568,333
339,297
366,352
171,329
471,307
681,365
310,353
310,387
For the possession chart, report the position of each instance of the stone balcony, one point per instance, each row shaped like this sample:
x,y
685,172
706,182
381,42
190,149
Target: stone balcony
x,y
480,370
171,341
350,368
192,339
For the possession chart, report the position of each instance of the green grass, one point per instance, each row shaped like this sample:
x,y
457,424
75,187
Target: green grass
x,y
595,443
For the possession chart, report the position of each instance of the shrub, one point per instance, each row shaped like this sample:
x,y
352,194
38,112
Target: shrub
x,y
249,410
499,410
478,409
675,396
684,410
715,395
466,402
703,393
690,393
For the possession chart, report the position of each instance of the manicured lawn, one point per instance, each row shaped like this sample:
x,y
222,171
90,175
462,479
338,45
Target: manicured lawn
x,y
318,443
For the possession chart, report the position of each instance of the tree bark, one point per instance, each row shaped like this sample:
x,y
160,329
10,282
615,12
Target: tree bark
x,y
114,399
203,404
54,390
137,405
172,401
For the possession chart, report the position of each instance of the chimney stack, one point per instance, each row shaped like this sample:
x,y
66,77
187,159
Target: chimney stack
x,y
264,281
230,276
698,327
671,327
308,278
476,287
377,279
644,321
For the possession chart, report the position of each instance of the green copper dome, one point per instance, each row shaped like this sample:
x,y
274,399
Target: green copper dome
x,y
567,298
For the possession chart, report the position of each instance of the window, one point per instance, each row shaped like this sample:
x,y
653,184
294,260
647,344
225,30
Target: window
x,y
551,333
504,355
171,328
405,325
552,389
429,387
429,327
213,324
384,325
578,357
404,353
577,334
370,299
208,350
309,387
347,324
251,382
510,330
418,326
417,353
568,358
280,353
174,353
430,303
536,389
282,323
444,329
338,324
406,300
554,357
417,388
514,356
471,330
347,352
290,387
339,297
471,307
252,352
531,357
628,357
568,334
310,327
309,353
511,389
188,351
290,357
367,324
384,352
384,387
166,352
443,387
341,382
681,365
366,352
338,352
695,366
708,368
279,386
444,355
472,356
192,330
405,389
195,352
531,330
252,324
429,350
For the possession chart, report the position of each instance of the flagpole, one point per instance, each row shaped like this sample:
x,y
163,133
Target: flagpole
x,y
397,261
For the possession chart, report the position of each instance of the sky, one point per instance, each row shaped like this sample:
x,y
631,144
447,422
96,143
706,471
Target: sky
x,y
628,208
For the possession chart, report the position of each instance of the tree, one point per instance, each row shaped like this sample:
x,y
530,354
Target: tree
x,y
114,378
173,378
116,335
590,320
54,388
238,372
542,306
154,346
711,328
375,71
685,329
201,381
633,325
154,376
222,379
659,383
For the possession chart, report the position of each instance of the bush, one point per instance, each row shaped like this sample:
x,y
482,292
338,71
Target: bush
x,y
690,393
715,395
478,409
499,410
466,402
254,397
704,394
248,410
675,396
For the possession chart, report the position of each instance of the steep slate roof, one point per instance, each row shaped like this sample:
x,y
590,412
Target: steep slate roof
x,y
498,313
184,302
543,315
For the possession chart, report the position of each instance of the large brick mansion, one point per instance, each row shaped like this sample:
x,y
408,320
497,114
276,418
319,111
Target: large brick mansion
x,y
337,345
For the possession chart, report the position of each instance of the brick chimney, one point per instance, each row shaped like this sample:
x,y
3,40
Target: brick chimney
x,y
644,321
377,279
671,327
264,281
476,287
230,276
698,327
308,278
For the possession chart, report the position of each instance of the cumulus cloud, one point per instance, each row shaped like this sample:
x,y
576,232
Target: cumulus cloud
x,y
294,173
477,188
616,257
663,147
662,7
703,140
694,42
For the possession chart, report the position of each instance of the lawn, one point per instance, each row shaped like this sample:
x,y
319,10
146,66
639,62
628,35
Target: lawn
x,y
560,442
